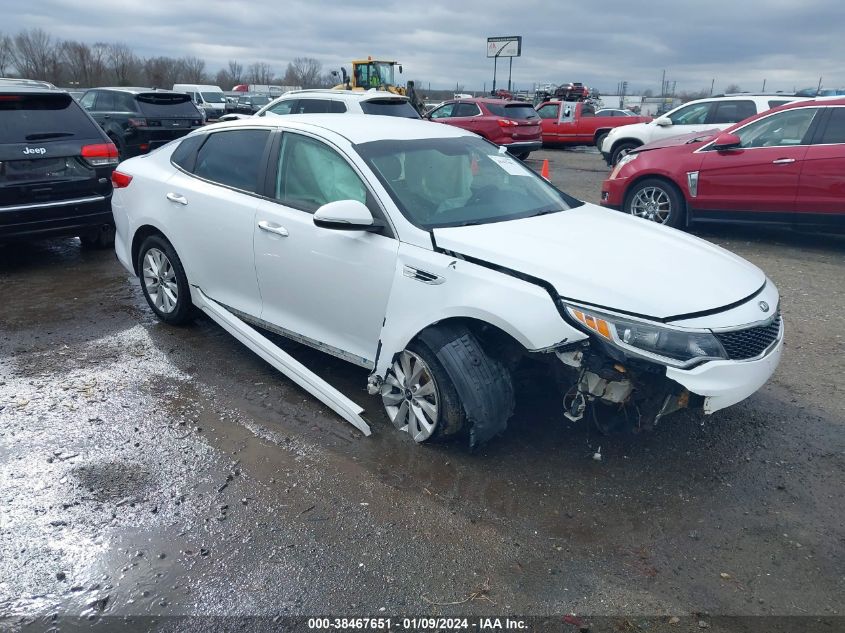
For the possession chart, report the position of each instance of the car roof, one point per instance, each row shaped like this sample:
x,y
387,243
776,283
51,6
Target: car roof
x,y
350,95
356,128
134,89
13,84
490,100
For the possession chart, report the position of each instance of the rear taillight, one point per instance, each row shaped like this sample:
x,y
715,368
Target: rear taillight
x,y
507,123
120,180
100,155
137,122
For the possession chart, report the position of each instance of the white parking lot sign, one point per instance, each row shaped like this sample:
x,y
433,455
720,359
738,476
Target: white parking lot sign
x,y
510,46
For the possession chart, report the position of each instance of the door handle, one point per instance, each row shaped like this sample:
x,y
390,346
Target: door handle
x,y
783,161
264,225
177,198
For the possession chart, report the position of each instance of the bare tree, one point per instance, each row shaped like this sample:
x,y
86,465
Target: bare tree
x,y
162,72
236,71
193,69
305,71
260,73
5,54
83,65
733,88
123,64
36,55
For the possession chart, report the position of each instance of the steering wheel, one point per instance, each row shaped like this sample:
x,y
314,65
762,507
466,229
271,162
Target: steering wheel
x,y
483,194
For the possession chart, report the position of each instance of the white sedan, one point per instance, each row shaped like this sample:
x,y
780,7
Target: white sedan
x,y
428,256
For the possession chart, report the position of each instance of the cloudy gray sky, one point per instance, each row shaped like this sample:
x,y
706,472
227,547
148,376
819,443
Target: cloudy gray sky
x,y
790,43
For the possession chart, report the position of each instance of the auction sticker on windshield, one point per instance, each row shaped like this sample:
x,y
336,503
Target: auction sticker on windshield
x,y
509,165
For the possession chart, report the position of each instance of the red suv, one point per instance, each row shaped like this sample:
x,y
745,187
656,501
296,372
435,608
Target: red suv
x,y
513,124
785,166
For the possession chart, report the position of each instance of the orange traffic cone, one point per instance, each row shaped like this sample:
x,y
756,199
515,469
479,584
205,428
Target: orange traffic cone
x,y
544,172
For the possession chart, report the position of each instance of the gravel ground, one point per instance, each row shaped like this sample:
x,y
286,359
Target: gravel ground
x,y
147,470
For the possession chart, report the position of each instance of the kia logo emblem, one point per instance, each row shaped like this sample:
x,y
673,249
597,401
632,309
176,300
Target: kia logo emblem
x,y
764,306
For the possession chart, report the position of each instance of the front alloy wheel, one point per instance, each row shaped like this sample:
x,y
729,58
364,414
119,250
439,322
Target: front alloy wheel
x,y
410,396
658,201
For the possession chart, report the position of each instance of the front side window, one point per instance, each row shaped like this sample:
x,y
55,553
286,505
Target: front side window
x,y
281,108
311,174
465,109
234,158
87,101
548,111
695,114
459,181
443,112
779,130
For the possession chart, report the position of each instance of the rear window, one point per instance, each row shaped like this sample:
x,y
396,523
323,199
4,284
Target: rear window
x,y
29,118
166,104
513,110
390,107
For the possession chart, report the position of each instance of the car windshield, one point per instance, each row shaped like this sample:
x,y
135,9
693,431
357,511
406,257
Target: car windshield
x,y
213,97
459,181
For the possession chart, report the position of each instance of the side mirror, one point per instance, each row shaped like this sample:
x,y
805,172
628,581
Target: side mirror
x,y
345,215
727,141
663,121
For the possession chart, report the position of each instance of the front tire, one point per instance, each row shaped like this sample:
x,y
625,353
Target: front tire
x,y
163,281
600,140
623,149
656,200
420,398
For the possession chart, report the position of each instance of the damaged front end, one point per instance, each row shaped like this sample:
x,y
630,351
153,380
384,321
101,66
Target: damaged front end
x,y
618,396
621,369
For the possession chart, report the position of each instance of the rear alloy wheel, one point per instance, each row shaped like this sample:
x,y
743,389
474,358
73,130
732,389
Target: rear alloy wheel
x,y
656,200
163,281
623,149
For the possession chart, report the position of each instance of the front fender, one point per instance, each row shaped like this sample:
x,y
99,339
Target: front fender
x,y
458,288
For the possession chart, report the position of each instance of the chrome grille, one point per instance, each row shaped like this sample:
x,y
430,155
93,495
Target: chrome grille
x,y
750,342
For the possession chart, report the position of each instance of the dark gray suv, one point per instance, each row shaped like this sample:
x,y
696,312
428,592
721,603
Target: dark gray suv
x,y
55,166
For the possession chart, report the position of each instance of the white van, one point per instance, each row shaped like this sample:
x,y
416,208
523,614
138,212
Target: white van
x,y
209,99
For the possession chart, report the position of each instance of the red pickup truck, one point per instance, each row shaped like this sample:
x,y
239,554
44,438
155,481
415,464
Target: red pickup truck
x,y
576,123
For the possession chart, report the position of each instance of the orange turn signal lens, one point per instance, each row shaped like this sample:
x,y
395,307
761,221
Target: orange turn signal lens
x,y
599,326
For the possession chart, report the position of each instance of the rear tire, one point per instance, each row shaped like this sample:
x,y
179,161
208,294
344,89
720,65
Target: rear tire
x,y
523,155
99,239
600,140
163,281
623,149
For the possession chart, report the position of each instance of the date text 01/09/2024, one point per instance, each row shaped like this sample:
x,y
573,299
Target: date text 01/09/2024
x,y
416,624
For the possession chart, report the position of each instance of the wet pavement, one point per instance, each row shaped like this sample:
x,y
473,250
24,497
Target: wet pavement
x,y
153,470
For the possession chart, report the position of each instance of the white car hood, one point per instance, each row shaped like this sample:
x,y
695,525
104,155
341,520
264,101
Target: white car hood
x,y
605,258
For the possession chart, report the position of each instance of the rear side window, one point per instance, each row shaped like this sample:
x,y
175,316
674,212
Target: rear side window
x,y
105,102
391,107
162,104
314,106
835,130
29,118
733,111
234,158
185,155
338,107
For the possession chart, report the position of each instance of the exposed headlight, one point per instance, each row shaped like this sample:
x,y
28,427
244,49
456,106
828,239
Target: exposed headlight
x,y
670,346
622,162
